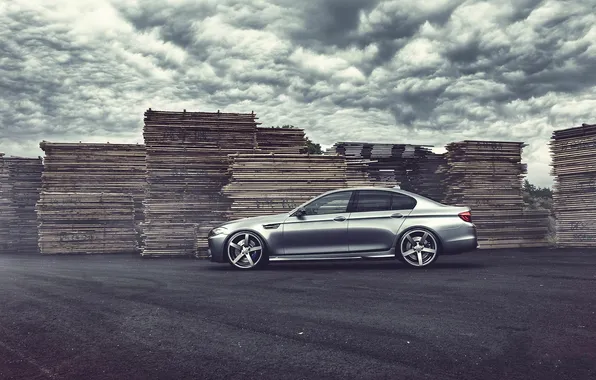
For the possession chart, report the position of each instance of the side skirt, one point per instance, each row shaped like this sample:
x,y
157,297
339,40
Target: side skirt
x,y
336,256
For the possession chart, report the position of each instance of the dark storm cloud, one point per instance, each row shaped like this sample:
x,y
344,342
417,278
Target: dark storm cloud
x,y
174,24
333,22
376,70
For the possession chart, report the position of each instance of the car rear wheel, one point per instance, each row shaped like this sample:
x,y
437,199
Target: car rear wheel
x,y
246,250
418,248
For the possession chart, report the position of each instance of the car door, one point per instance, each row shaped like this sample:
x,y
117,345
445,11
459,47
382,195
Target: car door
x,y
323,229
377,218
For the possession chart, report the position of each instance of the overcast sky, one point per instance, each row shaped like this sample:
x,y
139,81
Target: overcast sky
x,y
402,71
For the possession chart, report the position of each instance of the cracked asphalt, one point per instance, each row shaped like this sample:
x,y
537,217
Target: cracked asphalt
x,y
506,314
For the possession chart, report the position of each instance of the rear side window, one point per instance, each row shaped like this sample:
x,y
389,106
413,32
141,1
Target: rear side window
x,y
373,201
402,202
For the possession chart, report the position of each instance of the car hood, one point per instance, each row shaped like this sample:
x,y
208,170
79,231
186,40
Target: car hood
x,y
257,220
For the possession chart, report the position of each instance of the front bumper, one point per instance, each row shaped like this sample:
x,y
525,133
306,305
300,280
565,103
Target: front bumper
x,y
217,248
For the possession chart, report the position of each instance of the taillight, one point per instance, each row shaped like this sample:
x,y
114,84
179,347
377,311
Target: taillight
x,y
466,216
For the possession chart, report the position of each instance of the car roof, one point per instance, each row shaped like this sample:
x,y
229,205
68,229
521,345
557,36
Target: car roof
x,y
418,197
370,188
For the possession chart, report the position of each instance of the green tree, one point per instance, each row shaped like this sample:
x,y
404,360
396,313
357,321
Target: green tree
x,y
535,191
537,197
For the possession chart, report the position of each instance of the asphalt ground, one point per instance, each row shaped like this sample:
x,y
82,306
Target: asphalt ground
x,y
512,314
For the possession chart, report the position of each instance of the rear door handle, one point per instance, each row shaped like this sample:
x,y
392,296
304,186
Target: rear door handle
x,y
397,215
339,218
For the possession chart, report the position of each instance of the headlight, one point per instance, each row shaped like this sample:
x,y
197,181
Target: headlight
x,y
218,231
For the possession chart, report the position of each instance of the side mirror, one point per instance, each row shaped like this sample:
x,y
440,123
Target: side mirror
x,y
300,212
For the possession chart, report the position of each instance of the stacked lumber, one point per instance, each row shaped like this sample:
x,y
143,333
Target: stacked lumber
x,y
357,176
413,167
25,182
573,152
487,177
96,167
6,209
265,184
281,140
426,177
187,166
86,223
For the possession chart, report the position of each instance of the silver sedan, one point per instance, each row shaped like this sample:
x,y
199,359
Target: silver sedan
x,y
353,223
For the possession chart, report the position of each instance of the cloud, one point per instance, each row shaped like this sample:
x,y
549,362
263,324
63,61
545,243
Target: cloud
x,y
402,71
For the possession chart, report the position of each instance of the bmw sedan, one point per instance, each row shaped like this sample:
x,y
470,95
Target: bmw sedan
x,y
352,223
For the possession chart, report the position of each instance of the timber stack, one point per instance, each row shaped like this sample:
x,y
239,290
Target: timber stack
x,y
412,167
264,184
25,183
86,223
90,171
573,153
96,168
281,140
357,175
187,166
487,177
6,209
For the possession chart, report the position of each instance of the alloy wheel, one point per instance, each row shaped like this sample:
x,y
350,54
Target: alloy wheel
x,y
418,248
245,250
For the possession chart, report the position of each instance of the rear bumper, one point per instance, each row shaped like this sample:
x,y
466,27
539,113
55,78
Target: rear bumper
x,y
466,242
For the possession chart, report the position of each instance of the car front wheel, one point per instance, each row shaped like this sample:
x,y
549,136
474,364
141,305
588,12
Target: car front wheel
x,y
246,250
418,248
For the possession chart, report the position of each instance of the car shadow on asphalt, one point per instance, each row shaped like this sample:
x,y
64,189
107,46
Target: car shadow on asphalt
x,y
352,266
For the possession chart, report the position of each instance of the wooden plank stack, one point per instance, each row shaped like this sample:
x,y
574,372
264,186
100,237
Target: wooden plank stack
x,y
281,140
6,208
412,167
357,175
25,182
187,166
573,152
82,176
96,168
487,176
265,184
86,223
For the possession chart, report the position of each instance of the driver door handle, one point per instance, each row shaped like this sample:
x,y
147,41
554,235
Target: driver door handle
x,y
397,215
339,218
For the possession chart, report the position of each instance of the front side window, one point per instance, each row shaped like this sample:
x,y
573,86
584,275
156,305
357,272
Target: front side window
x,y
335,203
